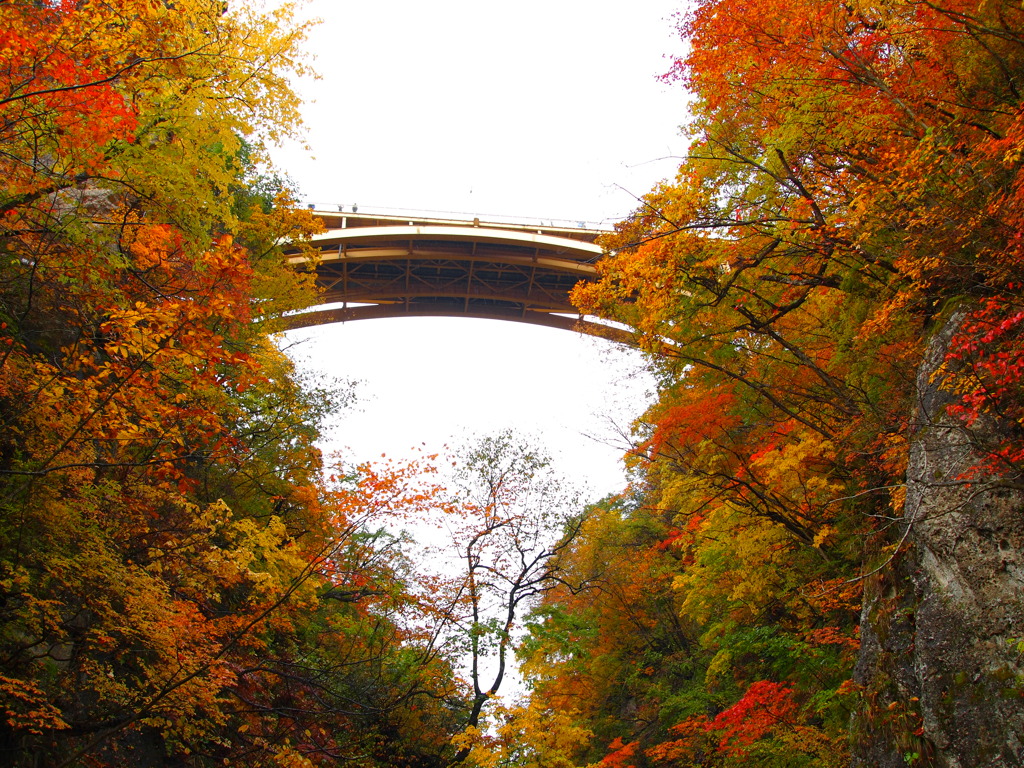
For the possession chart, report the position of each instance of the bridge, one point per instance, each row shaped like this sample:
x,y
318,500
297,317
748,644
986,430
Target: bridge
x,y
375,266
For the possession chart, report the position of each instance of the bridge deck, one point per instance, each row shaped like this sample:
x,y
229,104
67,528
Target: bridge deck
x,y
392,266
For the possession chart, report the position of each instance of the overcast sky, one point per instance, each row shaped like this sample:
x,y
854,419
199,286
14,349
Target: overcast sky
x,y
547,110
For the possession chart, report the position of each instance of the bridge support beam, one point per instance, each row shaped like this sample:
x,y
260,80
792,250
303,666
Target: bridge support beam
x,y
393,266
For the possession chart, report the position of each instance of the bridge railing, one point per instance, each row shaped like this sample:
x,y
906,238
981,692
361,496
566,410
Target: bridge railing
x,y
335,209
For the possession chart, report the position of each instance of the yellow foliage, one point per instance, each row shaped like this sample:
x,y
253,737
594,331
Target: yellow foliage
x,y
530,736
798,469
288,757
739,567
719,667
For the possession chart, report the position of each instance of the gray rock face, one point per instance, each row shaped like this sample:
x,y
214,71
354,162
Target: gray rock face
x,y
943,675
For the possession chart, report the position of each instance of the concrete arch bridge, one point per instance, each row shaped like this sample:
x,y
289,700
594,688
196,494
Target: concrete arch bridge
x,y
375,266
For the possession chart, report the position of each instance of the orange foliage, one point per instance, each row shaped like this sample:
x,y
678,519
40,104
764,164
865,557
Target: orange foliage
x,y
764,708
619,754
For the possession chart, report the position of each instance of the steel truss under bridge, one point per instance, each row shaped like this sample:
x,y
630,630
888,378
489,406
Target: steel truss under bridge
x,y
396,266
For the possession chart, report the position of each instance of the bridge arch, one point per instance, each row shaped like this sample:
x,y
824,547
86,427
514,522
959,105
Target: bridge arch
x,y
377,266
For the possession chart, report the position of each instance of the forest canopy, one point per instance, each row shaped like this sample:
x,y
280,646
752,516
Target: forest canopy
x,y
829,292
851,198
181,579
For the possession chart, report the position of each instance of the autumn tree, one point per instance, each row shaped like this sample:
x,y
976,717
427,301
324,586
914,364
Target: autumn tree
x,y
503,522
852,186
170,551
607,652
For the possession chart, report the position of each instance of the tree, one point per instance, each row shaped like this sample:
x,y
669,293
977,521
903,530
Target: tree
x,y
179,581
508,517
134,354
852,187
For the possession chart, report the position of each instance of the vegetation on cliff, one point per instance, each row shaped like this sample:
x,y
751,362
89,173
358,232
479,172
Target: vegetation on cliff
x,y
179,583
853,186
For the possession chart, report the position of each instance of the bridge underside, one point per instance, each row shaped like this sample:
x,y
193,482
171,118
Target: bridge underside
x,y
369,312
397,268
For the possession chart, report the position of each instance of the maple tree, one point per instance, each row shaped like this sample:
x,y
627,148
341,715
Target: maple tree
x,y
179,580
851,187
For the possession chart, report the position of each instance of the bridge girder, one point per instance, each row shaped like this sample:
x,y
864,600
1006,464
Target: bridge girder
x,y
395,266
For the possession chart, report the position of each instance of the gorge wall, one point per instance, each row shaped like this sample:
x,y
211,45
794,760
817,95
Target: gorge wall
x,y
941,662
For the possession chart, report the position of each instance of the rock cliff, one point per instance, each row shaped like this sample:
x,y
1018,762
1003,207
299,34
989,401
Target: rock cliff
x,y
941,660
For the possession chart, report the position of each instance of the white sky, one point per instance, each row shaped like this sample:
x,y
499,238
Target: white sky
x,y
548,110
